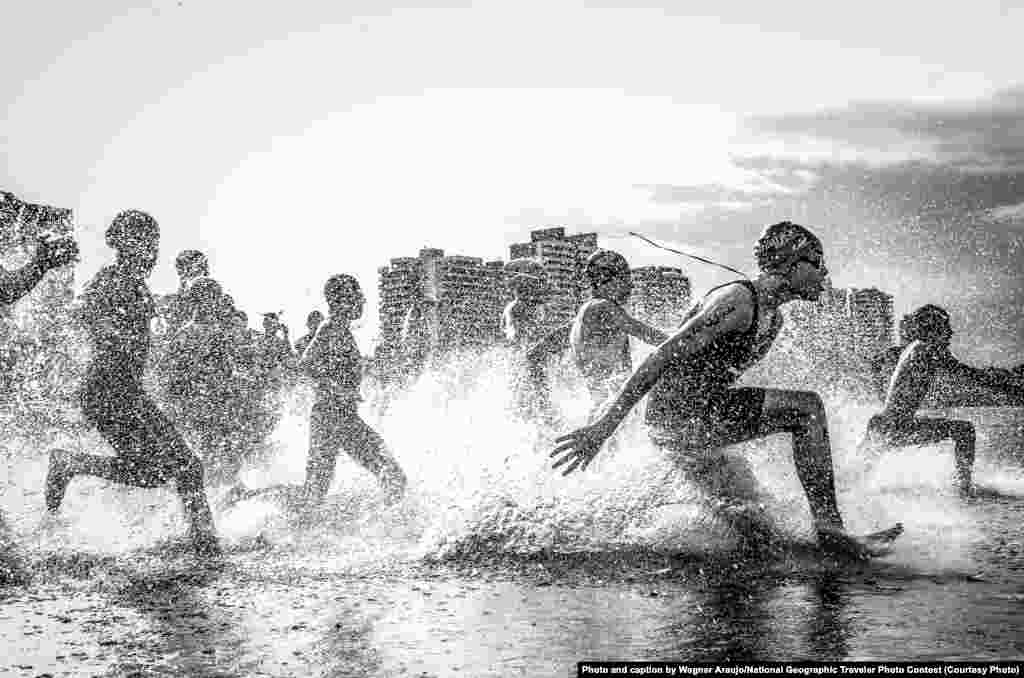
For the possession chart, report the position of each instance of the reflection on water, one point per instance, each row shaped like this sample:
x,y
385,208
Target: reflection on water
x,y
439,623
625,562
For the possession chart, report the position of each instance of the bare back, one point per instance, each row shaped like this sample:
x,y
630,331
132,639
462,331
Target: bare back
x,y
599,345
334,362
912,379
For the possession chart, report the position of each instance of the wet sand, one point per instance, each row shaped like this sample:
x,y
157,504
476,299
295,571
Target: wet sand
x,y
112,594
272,612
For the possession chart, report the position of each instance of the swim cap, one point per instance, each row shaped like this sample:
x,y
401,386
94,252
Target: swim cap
x,y
928,322
191,261
782,243
129,227
605,265
339,287
526,276
525,267
205,291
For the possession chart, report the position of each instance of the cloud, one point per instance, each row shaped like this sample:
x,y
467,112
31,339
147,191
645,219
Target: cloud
x,y
756,187
923,199
985,135
1005,214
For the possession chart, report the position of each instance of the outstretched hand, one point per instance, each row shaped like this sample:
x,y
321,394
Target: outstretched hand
x,y
580,447
56,252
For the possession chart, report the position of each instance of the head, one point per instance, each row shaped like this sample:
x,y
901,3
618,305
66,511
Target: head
x,y
206,297
527,280
607,273
928,323
191,264
135,237
313,320
241,318
793,253
344,296
225,310
271,321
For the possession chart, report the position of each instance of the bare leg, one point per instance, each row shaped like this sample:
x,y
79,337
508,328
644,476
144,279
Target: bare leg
x,y
337,426
367,447
964,442
149,453
801,413
192,492
925,431
320,466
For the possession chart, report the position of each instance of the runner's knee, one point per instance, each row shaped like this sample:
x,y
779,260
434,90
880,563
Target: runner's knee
x,y
190,473
962,432
808,409
813,405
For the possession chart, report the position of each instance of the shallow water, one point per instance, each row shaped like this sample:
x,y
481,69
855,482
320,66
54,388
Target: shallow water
x,y
494,566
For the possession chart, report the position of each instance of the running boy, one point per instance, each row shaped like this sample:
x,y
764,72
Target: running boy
x,y
598,337
334,363
117,309
910,371
693,406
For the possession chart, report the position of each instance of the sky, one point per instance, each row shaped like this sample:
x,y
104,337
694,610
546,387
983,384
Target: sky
x,y
292,141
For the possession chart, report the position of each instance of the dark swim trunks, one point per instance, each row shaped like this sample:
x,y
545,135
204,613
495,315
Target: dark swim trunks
x,y
335,426
150,451
694,406
731,415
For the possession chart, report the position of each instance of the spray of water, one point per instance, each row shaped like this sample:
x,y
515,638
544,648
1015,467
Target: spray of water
x,y
481,485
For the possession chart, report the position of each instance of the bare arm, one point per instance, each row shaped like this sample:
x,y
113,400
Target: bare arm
x,y
718,317
96,311
16,284
49,254
1003,381
728,311
911,379
314,359
638,328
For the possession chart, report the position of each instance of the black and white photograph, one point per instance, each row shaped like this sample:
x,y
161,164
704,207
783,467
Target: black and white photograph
x,y
484,339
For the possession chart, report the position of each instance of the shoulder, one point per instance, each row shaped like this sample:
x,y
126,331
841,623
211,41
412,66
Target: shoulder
x,y
105,278
517,310
737,292
887,357
333,331
109,287
732,301
920,351
600,308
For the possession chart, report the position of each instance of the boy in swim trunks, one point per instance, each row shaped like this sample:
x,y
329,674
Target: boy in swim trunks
x,y
694,407
908,373
522,325
313,321
522,318
334,363
117,309
14,285
190,265
201,384
598,337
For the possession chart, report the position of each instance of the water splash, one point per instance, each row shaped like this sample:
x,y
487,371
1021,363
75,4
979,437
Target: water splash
x,y
481,486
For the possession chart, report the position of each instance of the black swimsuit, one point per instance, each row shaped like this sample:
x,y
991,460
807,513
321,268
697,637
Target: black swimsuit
x,y
694,404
